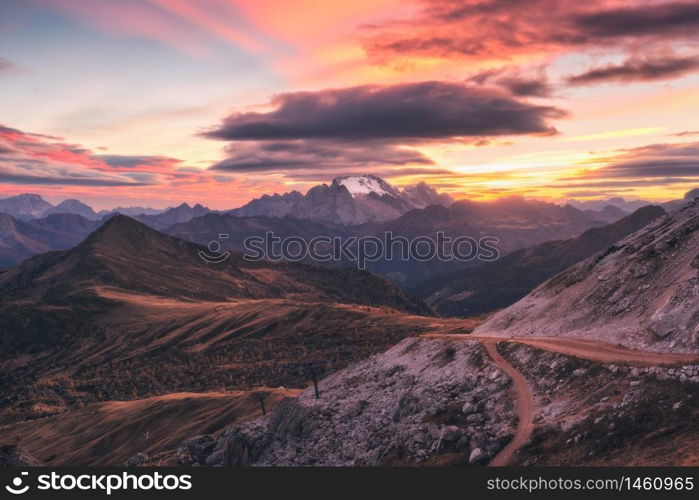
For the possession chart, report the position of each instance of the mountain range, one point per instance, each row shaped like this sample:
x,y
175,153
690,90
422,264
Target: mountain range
x,y
349,200
516,222
597,365
33,206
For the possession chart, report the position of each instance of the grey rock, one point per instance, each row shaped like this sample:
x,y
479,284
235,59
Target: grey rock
x,y
477,456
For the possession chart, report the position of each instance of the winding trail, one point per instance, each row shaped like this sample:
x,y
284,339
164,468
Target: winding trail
x,y
584,349
525,406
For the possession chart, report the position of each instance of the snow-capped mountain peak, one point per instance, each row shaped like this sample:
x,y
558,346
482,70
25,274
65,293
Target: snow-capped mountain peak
x,y
365,184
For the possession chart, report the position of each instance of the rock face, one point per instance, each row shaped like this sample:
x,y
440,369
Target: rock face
x,y
641,292
349,200
400,407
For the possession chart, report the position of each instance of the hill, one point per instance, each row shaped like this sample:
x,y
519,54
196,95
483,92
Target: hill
x,y
118,315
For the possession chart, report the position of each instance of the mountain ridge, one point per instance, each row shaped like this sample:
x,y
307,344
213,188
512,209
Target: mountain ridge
x,y
491,286
640,292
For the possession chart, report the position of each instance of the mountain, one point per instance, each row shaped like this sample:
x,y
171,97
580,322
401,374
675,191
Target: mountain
x,y
73,207
14,244
128,304
641,292
423,195
515,222
348,200
32,206
275,205
172,216
498,284
24,206
131,211
20,239
689,196
210,226
626,206
608,214
128,255
366,184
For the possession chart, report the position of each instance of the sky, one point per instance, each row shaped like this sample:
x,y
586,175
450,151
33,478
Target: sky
x,y
158,102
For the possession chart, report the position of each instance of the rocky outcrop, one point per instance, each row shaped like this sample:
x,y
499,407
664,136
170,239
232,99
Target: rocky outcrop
x,y
415,403
642,292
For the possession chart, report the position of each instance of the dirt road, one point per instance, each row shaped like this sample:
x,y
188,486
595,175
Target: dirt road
x,y
585,349
525,406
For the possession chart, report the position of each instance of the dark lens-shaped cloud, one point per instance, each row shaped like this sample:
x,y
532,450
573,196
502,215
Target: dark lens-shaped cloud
x,y
411,112
635,70
658,18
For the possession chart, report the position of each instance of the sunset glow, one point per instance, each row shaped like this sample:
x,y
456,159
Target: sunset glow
x,y
158,102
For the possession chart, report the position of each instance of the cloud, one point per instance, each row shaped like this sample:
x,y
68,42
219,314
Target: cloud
x,y
635,70
147,163
686,133
39,159
671,19
515,82
657,160
411,112
651,165
499,30
131,161
325,155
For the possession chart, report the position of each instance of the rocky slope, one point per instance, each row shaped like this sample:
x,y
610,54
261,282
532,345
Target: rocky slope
x,y
110,433
453,402
419,402
641,292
